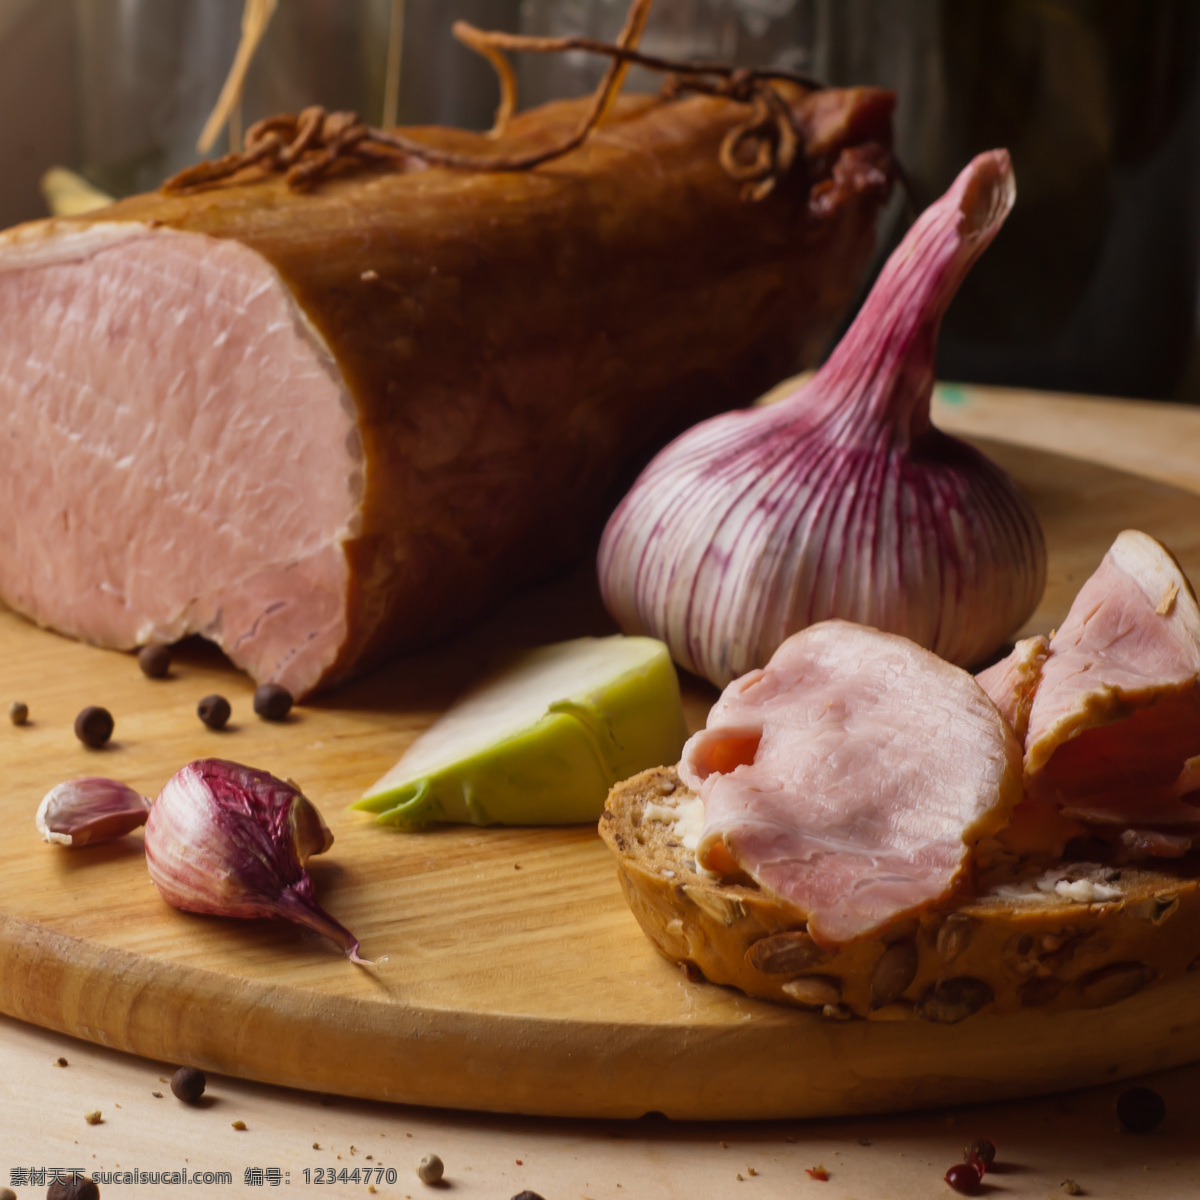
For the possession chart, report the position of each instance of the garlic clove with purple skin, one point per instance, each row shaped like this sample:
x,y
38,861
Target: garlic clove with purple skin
x,y
82,812
841,499
231,841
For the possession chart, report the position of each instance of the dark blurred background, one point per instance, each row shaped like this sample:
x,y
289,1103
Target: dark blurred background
x,y
1091,286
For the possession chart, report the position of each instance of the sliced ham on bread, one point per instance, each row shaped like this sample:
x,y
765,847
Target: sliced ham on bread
x,y
857,830
1078,935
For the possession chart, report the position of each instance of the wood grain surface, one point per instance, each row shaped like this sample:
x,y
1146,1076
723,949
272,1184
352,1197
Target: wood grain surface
x,y
510,976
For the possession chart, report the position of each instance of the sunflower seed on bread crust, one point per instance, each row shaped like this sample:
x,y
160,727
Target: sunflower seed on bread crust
x,y
1028,947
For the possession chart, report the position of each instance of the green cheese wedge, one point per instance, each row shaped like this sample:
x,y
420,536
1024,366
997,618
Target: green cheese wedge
x,y
543,741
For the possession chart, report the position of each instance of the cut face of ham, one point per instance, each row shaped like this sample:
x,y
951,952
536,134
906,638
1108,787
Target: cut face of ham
x,y
1116,716
851,776
140,371
1012,681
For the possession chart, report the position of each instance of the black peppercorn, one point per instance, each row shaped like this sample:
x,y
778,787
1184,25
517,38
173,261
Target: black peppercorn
x,y
981,1149
94,726
73,1187
272,702
18,712
188,1084
155,661
527,1195
214,711
1140,1109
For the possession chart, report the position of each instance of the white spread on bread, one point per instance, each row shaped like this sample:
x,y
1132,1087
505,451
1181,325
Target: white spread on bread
x,y
688,818
1073,884
850,777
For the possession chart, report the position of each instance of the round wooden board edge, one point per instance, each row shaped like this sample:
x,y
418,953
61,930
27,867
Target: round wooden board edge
x,y
792,1065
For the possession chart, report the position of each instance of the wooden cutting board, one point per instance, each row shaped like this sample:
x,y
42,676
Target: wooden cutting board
x,y
510,975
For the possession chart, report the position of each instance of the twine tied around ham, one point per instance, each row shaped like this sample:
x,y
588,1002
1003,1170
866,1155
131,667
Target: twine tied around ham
x,y
308,146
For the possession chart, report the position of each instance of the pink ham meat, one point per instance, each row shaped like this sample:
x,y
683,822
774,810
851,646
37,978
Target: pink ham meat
x,y
321,428
1114,729
158,492
1012,681
851,776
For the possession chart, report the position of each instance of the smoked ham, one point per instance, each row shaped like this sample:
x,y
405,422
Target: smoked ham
x,y
850,777
318,428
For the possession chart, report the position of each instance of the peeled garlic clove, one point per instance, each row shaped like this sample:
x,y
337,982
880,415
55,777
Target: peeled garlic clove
x,y
82,812
841,500
231,841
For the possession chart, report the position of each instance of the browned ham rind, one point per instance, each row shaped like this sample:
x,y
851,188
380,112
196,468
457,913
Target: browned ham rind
x,y
321,428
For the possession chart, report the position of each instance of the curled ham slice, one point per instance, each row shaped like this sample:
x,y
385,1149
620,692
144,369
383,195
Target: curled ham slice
x,y
851,776
1012,681
1115,721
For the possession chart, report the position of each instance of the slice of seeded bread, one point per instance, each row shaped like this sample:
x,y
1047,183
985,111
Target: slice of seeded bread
x,y
1089,936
